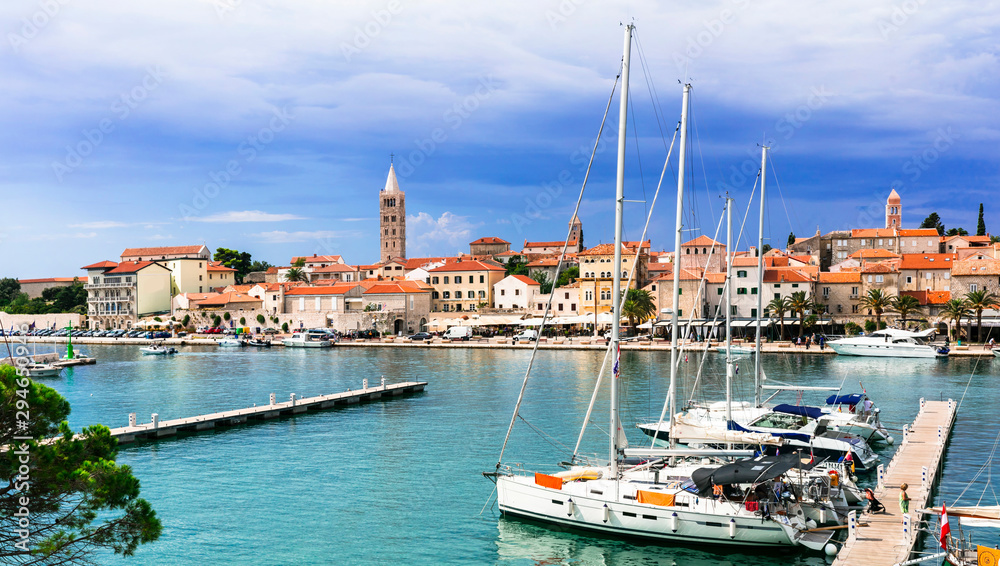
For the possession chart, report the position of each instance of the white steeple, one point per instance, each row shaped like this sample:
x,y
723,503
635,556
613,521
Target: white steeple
x,y
391,186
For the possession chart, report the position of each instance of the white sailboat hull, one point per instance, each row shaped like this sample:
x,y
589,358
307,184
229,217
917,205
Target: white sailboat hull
x,y
594,506
886,350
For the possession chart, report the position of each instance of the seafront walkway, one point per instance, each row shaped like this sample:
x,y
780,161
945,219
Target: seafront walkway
x,y
885,539
558,343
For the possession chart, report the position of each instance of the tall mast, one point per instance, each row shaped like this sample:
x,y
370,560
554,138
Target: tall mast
x,y
674,333
616,285
729,311
760,278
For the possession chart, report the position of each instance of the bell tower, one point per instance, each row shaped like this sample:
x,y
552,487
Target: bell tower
x,y
893,211
392,219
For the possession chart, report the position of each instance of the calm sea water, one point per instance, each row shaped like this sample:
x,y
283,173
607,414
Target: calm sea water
x,y
400,482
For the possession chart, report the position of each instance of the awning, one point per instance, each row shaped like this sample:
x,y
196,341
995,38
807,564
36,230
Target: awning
x,y
750,471
751,323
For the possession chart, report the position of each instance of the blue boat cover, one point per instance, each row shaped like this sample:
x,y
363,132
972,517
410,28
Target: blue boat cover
x,y
733,425
852,399
812,412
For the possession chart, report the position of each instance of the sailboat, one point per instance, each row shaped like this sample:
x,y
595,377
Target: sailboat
x,y
660,498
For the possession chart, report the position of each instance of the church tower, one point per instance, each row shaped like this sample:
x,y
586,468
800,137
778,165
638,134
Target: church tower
x,y
893,211
575,235
392,219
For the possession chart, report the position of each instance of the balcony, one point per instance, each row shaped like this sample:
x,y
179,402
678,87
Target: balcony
x,y
108,285
97,300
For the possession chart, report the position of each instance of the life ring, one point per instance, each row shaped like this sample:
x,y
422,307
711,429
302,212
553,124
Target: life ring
x,y
834,478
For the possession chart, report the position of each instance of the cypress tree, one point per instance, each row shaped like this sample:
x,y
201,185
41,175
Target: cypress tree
x,y
981,227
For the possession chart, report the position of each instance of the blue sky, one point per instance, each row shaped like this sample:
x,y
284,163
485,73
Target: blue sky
x,y
267,126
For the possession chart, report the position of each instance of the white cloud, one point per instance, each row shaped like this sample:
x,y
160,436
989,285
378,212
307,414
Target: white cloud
x,y
245,216
283,237
100,225
425,233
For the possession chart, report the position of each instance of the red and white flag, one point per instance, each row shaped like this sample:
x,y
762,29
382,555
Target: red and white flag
x,y
945,527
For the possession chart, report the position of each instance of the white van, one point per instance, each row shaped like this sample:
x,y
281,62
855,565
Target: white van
x,y
527,334
458,333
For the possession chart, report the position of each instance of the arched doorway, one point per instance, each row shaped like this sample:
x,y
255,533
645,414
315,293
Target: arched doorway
x,y
423,325
398,326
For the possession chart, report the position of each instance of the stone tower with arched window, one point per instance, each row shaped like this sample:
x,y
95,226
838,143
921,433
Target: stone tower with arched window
x,y
392,219
893,211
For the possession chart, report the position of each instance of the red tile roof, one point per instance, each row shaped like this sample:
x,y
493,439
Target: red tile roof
x,y
985,266
528,244
49,280
926,261
785,275
490,240
840,277
746,261
395,287
873,233
223,299
334,268
318,258
100,265
919,232
525,279
702,241
878,267
168,250
873,254
468,266
131,267
326,290
213,266
929,297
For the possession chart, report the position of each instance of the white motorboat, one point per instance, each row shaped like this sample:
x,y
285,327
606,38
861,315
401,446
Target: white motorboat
x,y
891,343
308,339
231,342
651,499
41,370
157,350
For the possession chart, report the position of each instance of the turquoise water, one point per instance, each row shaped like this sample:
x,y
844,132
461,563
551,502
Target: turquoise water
x,y
400,482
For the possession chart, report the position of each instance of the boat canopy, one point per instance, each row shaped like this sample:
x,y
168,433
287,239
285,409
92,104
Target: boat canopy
x,y
852,399
733,425
811,412
753,470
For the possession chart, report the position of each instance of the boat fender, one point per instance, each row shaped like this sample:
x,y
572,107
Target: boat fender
x,y
607,513
830,549
732,528
890,440
674,520
569,507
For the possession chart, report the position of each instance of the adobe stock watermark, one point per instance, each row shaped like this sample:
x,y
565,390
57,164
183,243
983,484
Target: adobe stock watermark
x,y
19,443
712,29
913,168
33,25
787,125
126,103
364,35
453,118
535,205
898,17
248,150
564,10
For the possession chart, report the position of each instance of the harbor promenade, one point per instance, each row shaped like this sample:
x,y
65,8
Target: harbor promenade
x,y
886,539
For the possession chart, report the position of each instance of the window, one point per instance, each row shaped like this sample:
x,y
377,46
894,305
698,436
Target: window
x,y
927,276
947,275
199,278
588,296
753,313
869,278
878,279
318,303
435,295
572,306
777,295
741,291
434,280
482,294
741,273
302,303
446,295
696,251
732,310
680,291
910,279
560,306
718,291
704,250
517,292
458,279
854,309
680,313
854,290
688,251
826,291
777,285
753,290
458,294
503,292
482,278
566,295
795,285
445,279
540,307
973,287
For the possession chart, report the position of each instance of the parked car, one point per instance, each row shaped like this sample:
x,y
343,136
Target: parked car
x,y
458,333
421,336
270,331
527,334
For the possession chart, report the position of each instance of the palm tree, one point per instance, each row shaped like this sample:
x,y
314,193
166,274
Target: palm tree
x,y
979,301
876,300
296,274
905,305
779,306
638,305
955,310
798,303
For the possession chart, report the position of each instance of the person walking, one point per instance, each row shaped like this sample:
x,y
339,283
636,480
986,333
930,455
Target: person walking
x,y
904,499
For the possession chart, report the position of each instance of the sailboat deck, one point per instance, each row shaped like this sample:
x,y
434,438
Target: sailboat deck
x,y
882,540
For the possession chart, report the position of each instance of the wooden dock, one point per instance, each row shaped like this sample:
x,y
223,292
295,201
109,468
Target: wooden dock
x,y
885,539
160,429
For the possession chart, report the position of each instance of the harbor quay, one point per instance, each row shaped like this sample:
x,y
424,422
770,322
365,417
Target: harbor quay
x,y
558,343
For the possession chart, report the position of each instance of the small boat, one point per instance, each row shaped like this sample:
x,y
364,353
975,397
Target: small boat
x,y
309,339
891,343
231,342
259,343
41,370
996,352
157,350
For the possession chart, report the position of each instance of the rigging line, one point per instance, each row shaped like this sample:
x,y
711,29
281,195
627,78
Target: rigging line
x,y
774,171
638,158
621,300
689,166
562,256
547,437
651,88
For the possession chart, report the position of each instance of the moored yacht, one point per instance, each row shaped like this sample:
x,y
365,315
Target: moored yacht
x,y
891,343
308,339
